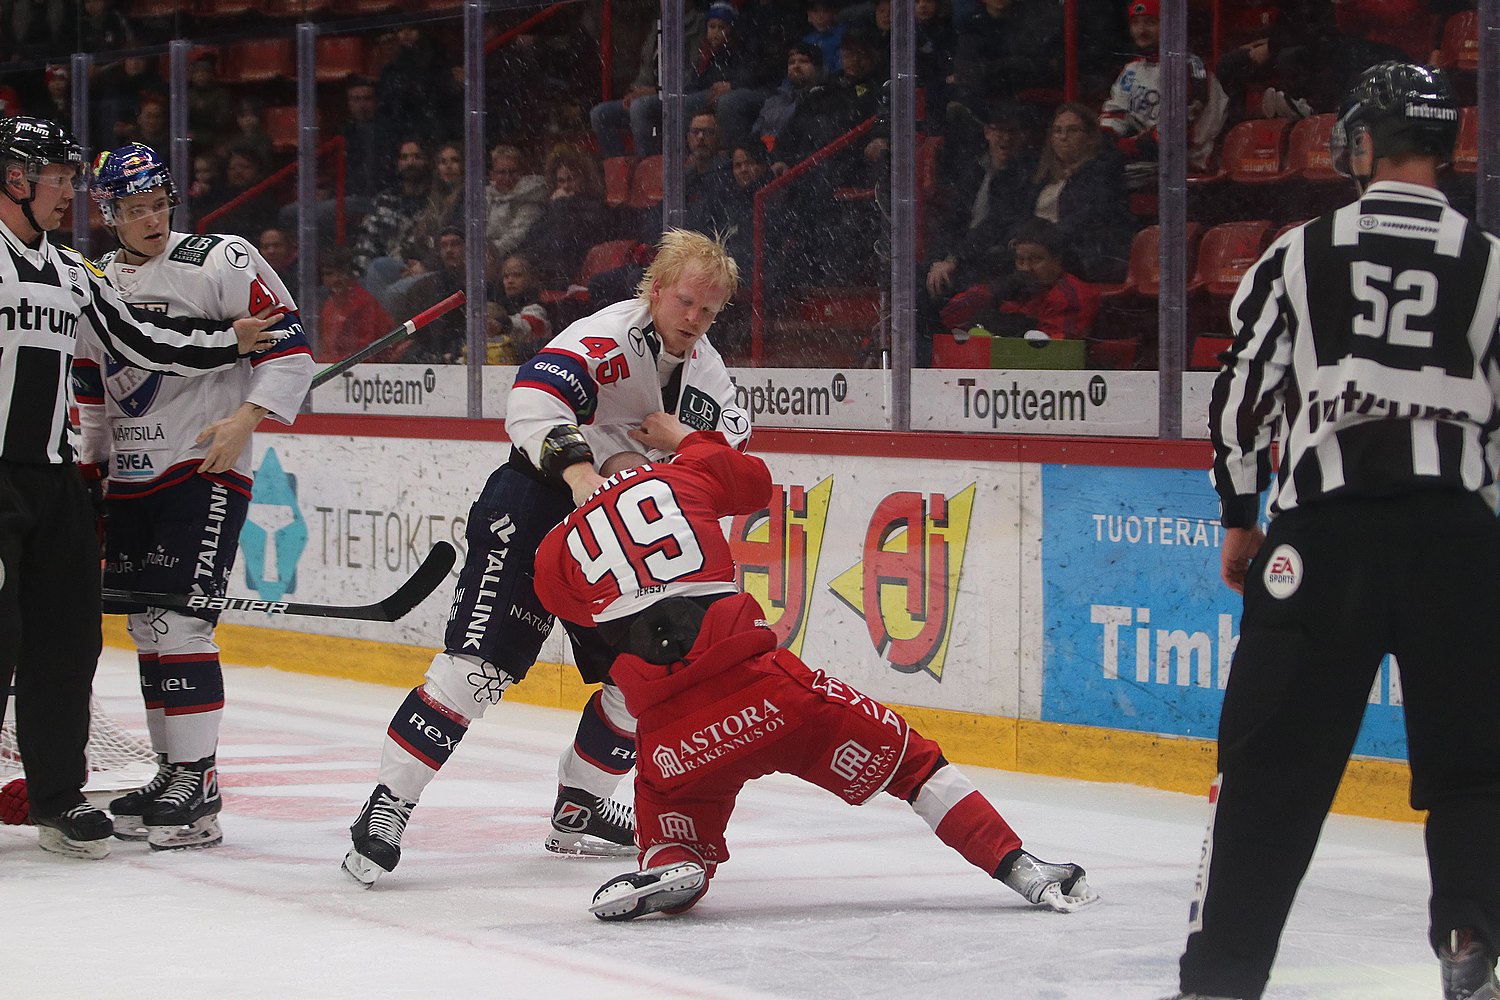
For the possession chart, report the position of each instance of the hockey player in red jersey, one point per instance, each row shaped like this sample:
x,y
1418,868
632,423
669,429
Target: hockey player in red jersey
x,y
717,704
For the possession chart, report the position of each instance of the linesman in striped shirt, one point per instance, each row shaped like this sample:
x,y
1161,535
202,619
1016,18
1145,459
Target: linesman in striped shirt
x,y
50,297
1365,341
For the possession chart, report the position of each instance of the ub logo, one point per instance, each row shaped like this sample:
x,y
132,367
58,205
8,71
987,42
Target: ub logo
x,y
667,762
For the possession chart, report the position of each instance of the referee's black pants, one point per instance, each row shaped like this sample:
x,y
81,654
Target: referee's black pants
x,y
49,623
1416,576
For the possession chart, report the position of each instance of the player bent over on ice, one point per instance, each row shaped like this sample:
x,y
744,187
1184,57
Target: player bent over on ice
x,y
177,456
717,704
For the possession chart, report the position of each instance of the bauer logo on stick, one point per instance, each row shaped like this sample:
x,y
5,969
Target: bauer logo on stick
x,y
1284,572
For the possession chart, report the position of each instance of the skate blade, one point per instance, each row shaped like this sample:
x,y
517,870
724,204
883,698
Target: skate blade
x,y
362,869
130,828
53,842
582,846
640,893
199,834
1053,898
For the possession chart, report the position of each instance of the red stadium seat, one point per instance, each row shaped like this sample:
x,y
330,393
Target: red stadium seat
x,y
146,9
295,9
1118,354
1460,47
359,8
617,170
1143,272
1228,250
1466,150
1206,350
281,126
1254,151
261,60
1307,150
224,8
646,183
604,257
340,57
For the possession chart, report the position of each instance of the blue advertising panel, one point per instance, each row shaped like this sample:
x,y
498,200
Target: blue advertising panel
x,y
1139,630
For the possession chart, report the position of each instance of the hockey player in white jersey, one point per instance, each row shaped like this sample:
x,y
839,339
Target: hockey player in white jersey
x,y
576,399
177,457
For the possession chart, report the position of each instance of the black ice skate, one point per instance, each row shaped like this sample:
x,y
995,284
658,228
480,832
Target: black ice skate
x,y
586,825
1468,971
79,831
185,813
377,836
1197,996
1061,887
665,887
130,807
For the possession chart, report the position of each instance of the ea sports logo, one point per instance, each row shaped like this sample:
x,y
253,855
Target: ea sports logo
x,y
1283,572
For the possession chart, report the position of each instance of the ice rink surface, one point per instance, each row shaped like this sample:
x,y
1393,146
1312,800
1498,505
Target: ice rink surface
x,y
820,900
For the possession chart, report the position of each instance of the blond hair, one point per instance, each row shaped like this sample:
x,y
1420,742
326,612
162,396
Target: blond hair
x,y
681,250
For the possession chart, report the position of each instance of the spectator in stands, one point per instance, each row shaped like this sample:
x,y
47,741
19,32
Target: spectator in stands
x,y
417,90
518,324
1007,47
706,172
1037,294
205,192
1133,108
836,249
120,88
1079,184
804,71
731,212
368,141
59,103
726,70
513,201
250,129
151,124
103,28
763,32
379,248
935,44
827,33
279,247
440,342
350,317
209,104
443,209
573,217
638,112
971,231
246,214
30,28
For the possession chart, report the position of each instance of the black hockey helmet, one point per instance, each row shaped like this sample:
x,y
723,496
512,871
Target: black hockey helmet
x,y
1404,107
32,143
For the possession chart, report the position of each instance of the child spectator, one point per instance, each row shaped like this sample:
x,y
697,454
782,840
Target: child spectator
x,y
827,33
1038,295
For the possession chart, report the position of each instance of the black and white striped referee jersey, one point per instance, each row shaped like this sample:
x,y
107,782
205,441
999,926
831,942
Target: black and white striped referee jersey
x,y
1365,340
49,297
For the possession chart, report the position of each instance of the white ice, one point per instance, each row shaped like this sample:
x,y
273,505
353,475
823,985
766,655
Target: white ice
x,y
819,900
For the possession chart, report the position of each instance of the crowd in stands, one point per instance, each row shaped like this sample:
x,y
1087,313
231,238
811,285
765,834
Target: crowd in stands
x,y
1030,204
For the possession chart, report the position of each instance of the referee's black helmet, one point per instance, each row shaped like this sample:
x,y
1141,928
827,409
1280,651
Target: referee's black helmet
x,y
36,142
1404,107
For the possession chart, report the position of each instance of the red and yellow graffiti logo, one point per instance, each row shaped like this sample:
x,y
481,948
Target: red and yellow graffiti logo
x,y
777,550
906,586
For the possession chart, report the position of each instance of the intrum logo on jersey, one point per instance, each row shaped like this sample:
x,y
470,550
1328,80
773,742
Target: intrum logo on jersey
x,y
275,534
777,551
23,316
906,586
678,826
698,745
1283,572
484,601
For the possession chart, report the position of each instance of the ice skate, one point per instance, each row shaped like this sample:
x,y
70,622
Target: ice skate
x,y
1060,887
1197,996
377,836
635,894
583,824
79,831
1468,971
130,807
185,813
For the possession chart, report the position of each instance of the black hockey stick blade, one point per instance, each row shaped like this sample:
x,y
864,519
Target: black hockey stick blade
x,y
414,591
397,335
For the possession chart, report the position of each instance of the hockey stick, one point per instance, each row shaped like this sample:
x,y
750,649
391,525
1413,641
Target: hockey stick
x,y
411,593
397,335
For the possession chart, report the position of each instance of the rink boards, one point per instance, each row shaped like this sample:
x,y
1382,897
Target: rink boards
x,y
1039,604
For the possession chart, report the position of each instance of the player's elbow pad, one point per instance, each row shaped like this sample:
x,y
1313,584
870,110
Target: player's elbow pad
x,y
564,446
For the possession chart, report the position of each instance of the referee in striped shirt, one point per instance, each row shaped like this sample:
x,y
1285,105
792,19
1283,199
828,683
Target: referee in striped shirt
x,y
49,554
1366,341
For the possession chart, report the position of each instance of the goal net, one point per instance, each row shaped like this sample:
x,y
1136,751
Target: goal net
x,y
117,759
